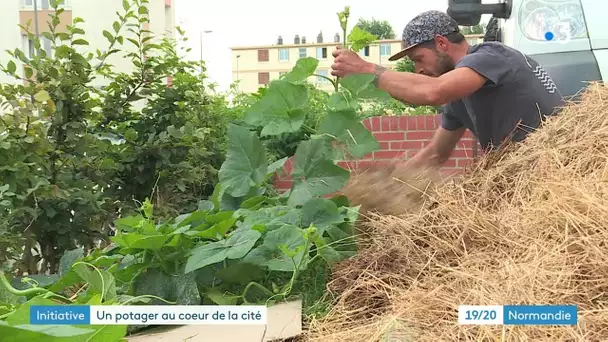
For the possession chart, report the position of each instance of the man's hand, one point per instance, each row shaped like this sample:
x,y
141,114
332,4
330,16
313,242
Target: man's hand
x,y
348,62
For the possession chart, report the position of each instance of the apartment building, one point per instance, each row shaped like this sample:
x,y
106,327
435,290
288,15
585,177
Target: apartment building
x,y
98,15
255,66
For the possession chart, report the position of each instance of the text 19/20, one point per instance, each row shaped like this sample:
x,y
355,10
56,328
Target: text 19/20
x,y
480,315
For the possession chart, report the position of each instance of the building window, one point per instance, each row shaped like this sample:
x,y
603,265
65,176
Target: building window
x,y
321,53
30,49
385,50
43,4
302,52
283,55
263,56
364,52
263,77
322,80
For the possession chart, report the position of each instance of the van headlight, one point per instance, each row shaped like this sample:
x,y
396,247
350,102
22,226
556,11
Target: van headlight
x,y
554,20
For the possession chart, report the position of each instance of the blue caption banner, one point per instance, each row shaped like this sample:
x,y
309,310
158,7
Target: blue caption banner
x,y
60,314
540,315
148,314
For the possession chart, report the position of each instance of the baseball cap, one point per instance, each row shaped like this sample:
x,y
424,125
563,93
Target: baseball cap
x,y
425,27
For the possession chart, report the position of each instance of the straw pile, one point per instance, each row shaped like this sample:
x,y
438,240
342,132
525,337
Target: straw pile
x,y
524,227
391,191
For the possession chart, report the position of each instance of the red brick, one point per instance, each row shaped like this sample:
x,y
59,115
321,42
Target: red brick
x,y
350,165
368,156
421,122
468,134
448,171
463,143
421,135
430,122
385,122
283,185
388,154
282,174
404,123
364,165
375,124
449,163
411,153
288,166
394,123
461,154
464,162
367,123
437,121
389,136
406,145
384,145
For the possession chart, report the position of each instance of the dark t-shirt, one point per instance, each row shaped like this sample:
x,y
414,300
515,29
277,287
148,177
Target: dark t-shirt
x,y
518,92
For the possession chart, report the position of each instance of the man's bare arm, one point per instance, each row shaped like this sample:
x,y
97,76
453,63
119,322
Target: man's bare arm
x,y
437,152
425,90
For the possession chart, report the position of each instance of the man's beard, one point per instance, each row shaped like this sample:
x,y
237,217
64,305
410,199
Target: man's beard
x,y
444,64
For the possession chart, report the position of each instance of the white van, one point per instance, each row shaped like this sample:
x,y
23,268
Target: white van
x,y
569,38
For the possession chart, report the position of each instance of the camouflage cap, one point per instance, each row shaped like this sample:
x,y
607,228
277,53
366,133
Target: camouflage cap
x,y
425,27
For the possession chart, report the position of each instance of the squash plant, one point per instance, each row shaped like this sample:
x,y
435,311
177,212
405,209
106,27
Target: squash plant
x,y
244,244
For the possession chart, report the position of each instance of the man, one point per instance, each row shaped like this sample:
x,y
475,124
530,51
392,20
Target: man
x,y
495,91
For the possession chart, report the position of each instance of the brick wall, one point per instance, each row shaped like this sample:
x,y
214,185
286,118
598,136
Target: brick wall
x,y
399,137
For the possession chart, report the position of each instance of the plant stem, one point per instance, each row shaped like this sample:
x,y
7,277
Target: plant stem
x,y
334,82
259,286
27,292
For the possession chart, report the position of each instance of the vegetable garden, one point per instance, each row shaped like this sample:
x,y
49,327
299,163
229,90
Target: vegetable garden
x,y
136,192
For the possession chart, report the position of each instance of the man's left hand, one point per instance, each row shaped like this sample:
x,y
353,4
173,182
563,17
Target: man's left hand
x,y
348,62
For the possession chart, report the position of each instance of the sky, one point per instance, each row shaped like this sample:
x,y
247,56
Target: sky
x,y
250,22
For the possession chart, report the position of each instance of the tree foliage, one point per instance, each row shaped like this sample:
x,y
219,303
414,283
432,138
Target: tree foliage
x,y
476,29
382,29
75,155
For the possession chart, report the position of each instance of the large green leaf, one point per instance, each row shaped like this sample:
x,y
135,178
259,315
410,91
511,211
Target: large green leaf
x,y
342,100
303,69
68,259
180,289
22,314
362,86
245,164
346,127
270,218
274,253
139,241
241,273
281,110
358,38
222,298
235,247
272,168
321,213
313,173
40,280
100,281
105,333
50,333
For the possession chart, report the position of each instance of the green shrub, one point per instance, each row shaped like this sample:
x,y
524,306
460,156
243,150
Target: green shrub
x,y
74,155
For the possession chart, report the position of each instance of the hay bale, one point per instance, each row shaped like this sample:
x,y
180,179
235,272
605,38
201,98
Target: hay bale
x,y
524,227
